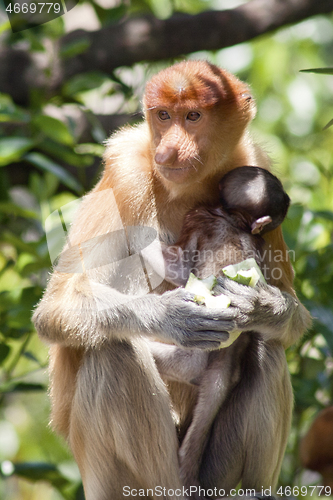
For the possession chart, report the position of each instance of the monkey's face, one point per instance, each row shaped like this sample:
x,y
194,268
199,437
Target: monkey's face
x,y
181,142
197,114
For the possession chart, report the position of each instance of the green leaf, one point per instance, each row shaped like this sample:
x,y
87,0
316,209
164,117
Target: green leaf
x,y
4,27
328,125
25,387
31,357
90,148
4,352
305,390
55,129
66,154
10,208
19,318
323,71
323,323
9,112
79,493
75,47
11,280
13,333
44,163
13,148
19,244
35,43
41,471
107,16
325,214
84,82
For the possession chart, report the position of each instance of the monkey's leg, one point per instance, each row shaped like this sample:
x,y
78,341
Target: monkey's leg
x,y
270,420
214,387
178,364
250,432
121,431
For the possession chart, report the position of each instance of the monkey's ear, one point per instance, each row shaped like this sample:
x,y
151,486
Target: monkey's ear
x,y
258,225
248,103
247,96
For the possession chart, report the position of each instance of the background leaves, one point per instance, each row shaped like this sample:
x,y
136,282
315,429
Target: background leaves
x,y
50,154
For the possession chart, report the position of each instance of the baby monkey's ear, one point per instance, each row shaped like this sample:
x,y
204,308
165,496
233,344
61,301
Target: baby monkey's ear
x,y
258,225
247,96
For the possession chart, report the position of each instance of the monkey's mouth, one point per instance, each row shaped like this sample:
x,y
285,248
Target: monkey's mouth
x,y
175,174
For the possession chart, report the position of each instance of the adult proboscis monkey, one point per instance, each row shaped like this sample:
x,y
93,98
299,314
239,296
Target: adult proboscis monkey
x,y
108,397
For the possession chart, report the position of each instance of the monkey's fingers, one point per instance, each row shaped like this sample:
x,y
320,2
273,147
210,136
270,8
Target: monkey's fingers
x,y
205,338
231,288
191,325
207,345
267,310
208,320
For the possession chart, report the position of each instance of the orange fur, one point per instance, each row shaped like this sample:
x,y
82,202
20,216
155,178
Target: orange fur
x,y
192,85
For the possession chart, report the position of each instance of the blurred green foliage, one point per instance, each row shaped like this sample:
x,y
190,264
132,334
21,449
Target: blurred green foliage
x,y
43,139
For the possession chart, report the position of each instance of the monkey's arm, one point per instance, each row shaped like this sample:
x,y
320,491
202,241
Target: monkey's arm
x,y
80,312
273,311
276,315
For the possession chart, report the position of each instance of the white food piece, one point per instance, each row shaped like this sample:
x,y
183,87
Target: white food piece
x,y
233,335
202,290
246,272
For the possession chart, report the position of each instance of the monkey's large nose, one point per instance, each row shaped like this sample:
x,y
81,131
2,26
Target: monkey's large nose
x,y
166,156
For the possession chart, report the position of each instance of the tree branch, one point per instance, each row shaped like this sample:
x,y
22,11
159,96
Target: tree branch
x,y
149,39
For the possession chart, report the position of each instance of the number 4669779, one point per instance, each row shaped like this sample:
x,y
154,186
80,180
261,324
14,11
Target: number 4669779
x,y
304,491
33,8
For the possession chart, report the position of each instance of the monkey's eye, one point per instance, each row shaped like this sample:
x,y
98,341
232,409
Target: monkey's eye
x,y
193,116
163,115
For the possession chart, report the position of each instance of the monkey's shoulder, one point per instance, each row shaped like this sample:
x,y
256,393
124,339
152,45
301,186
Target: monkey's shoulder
x,y
128,151
128,171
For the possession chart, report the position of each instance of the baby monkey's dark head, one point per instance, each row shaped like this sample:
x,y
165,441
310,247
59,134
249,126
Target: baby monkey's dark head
x,y
256,193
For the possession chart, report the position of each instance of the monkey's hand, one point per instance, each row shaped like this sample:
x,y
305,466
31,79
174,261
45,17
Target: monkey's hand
x,y
174,317
276,315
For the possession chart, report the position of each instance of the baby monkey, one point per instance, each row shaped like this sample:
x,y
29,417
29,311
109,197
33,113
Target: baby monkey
x,y
253,202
